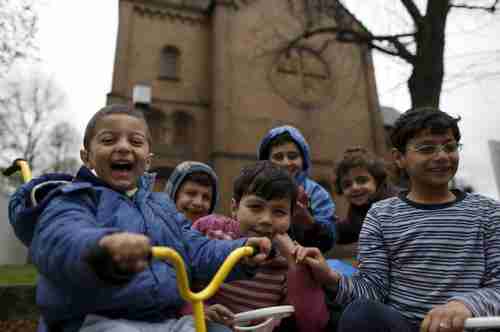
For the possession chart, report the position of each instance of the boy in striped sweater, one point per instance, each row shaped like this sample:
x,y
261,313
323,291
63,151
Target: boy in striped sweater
x,y
264,197
429,258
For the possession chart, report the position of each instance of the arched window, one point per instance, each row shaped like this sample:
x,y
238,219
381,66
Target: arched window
x,y
169,63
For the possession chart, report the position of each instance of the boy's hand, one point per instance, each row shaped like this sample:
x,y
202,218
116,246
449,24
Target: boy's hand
x,y
263,245
320,270
285,245
130,252
301,215
219,314
302,197
449,317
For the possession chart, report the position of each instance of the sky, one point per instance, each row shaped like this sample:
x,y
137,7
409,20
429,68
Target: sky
x,y
77,45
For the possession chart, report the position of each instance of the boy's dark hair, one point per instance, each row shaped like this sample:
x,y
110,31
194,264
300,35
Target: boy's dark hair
x,y
278,141
109,110
267,181
201,178
413,121
374,166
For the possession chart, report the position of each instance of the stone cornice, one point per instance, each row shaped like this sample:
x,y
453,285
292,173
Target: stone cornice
x,y
174,14
234,4
195,6
164,101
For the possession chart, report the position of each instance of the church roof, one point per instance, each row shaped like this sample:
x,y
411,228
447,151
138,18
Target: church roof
x,y
198,5
206,5
351,14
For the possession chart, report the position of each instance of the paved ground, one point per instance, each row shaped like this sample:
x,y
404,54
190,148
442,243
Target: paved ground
x,y
18,326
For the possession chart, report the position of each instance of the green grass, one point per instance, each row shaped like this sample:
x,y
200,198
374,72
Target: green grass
x,y
17,274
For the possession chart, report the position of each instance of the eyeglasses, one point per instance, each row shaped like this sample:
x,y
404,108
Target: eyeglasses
x,y
355,149
429,149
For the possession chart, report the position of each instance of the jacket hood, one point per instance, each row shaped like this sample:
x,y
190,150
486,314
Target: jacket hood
x,y
263,151
184,169
28,202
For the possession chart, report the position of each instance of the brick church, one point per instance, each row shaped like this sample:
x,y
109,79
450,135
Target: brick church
x,y
221,73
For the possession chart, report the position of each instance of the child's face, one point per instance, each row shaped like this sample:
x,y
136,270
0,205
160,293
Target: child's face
x,y
119,151
426,166
358,186
288,156
258,217
193,200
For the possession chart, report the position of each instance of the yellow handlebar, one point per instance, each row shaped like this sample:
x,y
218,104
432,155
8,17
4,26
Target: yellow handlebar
x,y
183,283
25,170
19,165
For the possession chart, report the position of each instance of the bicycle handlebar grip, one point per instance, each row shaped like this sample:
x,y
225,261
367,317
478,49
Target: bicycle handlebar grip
x,y
14,167
256,250
19,164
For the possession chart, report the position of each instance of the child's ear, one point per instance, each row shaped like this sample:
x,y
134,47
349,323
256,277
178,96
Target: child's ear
x,y
234,208
399,158
149,160
84,156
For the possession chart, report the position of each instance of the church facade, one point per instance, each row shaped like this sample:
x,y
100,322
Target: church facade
x,y
224,72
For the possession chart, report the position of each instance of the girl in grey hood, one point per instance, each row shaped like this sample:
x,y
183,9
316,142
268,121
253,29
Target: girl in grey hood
x,y
193,188
313,224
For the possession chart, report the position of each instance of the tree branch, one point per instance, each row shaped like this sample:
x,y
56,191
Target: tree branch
x,y
412,9
25,111
19,25
348,35
490,9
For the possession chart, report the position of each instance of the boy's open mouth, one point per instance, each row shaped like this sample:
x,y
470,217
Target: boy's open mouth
x,y
361,196
440,169
195,213
121,168
261,233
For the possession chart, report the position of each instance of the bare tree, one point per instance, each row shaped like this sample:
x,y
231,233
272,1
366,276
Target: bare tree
x,y
18,27
27,108
62,146
419,43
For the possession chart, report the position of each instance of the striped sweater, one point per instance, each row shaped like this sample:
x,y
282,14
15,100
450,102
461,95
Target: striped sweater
x,y
415,256
267,288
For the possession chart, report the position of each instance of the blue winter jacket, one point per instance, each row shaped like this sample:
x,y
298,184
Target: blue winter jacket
x,y
71,225
322,207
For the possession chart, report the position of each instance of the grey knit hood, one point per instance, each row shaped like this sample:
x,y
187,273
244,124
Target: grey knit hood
x,y
184,169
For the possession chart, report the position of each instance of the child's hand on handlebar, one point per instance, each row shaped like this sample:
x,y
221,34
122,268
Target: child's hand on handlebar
x,y
263,247
320,270
219,314
449,317
129,252
285,246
